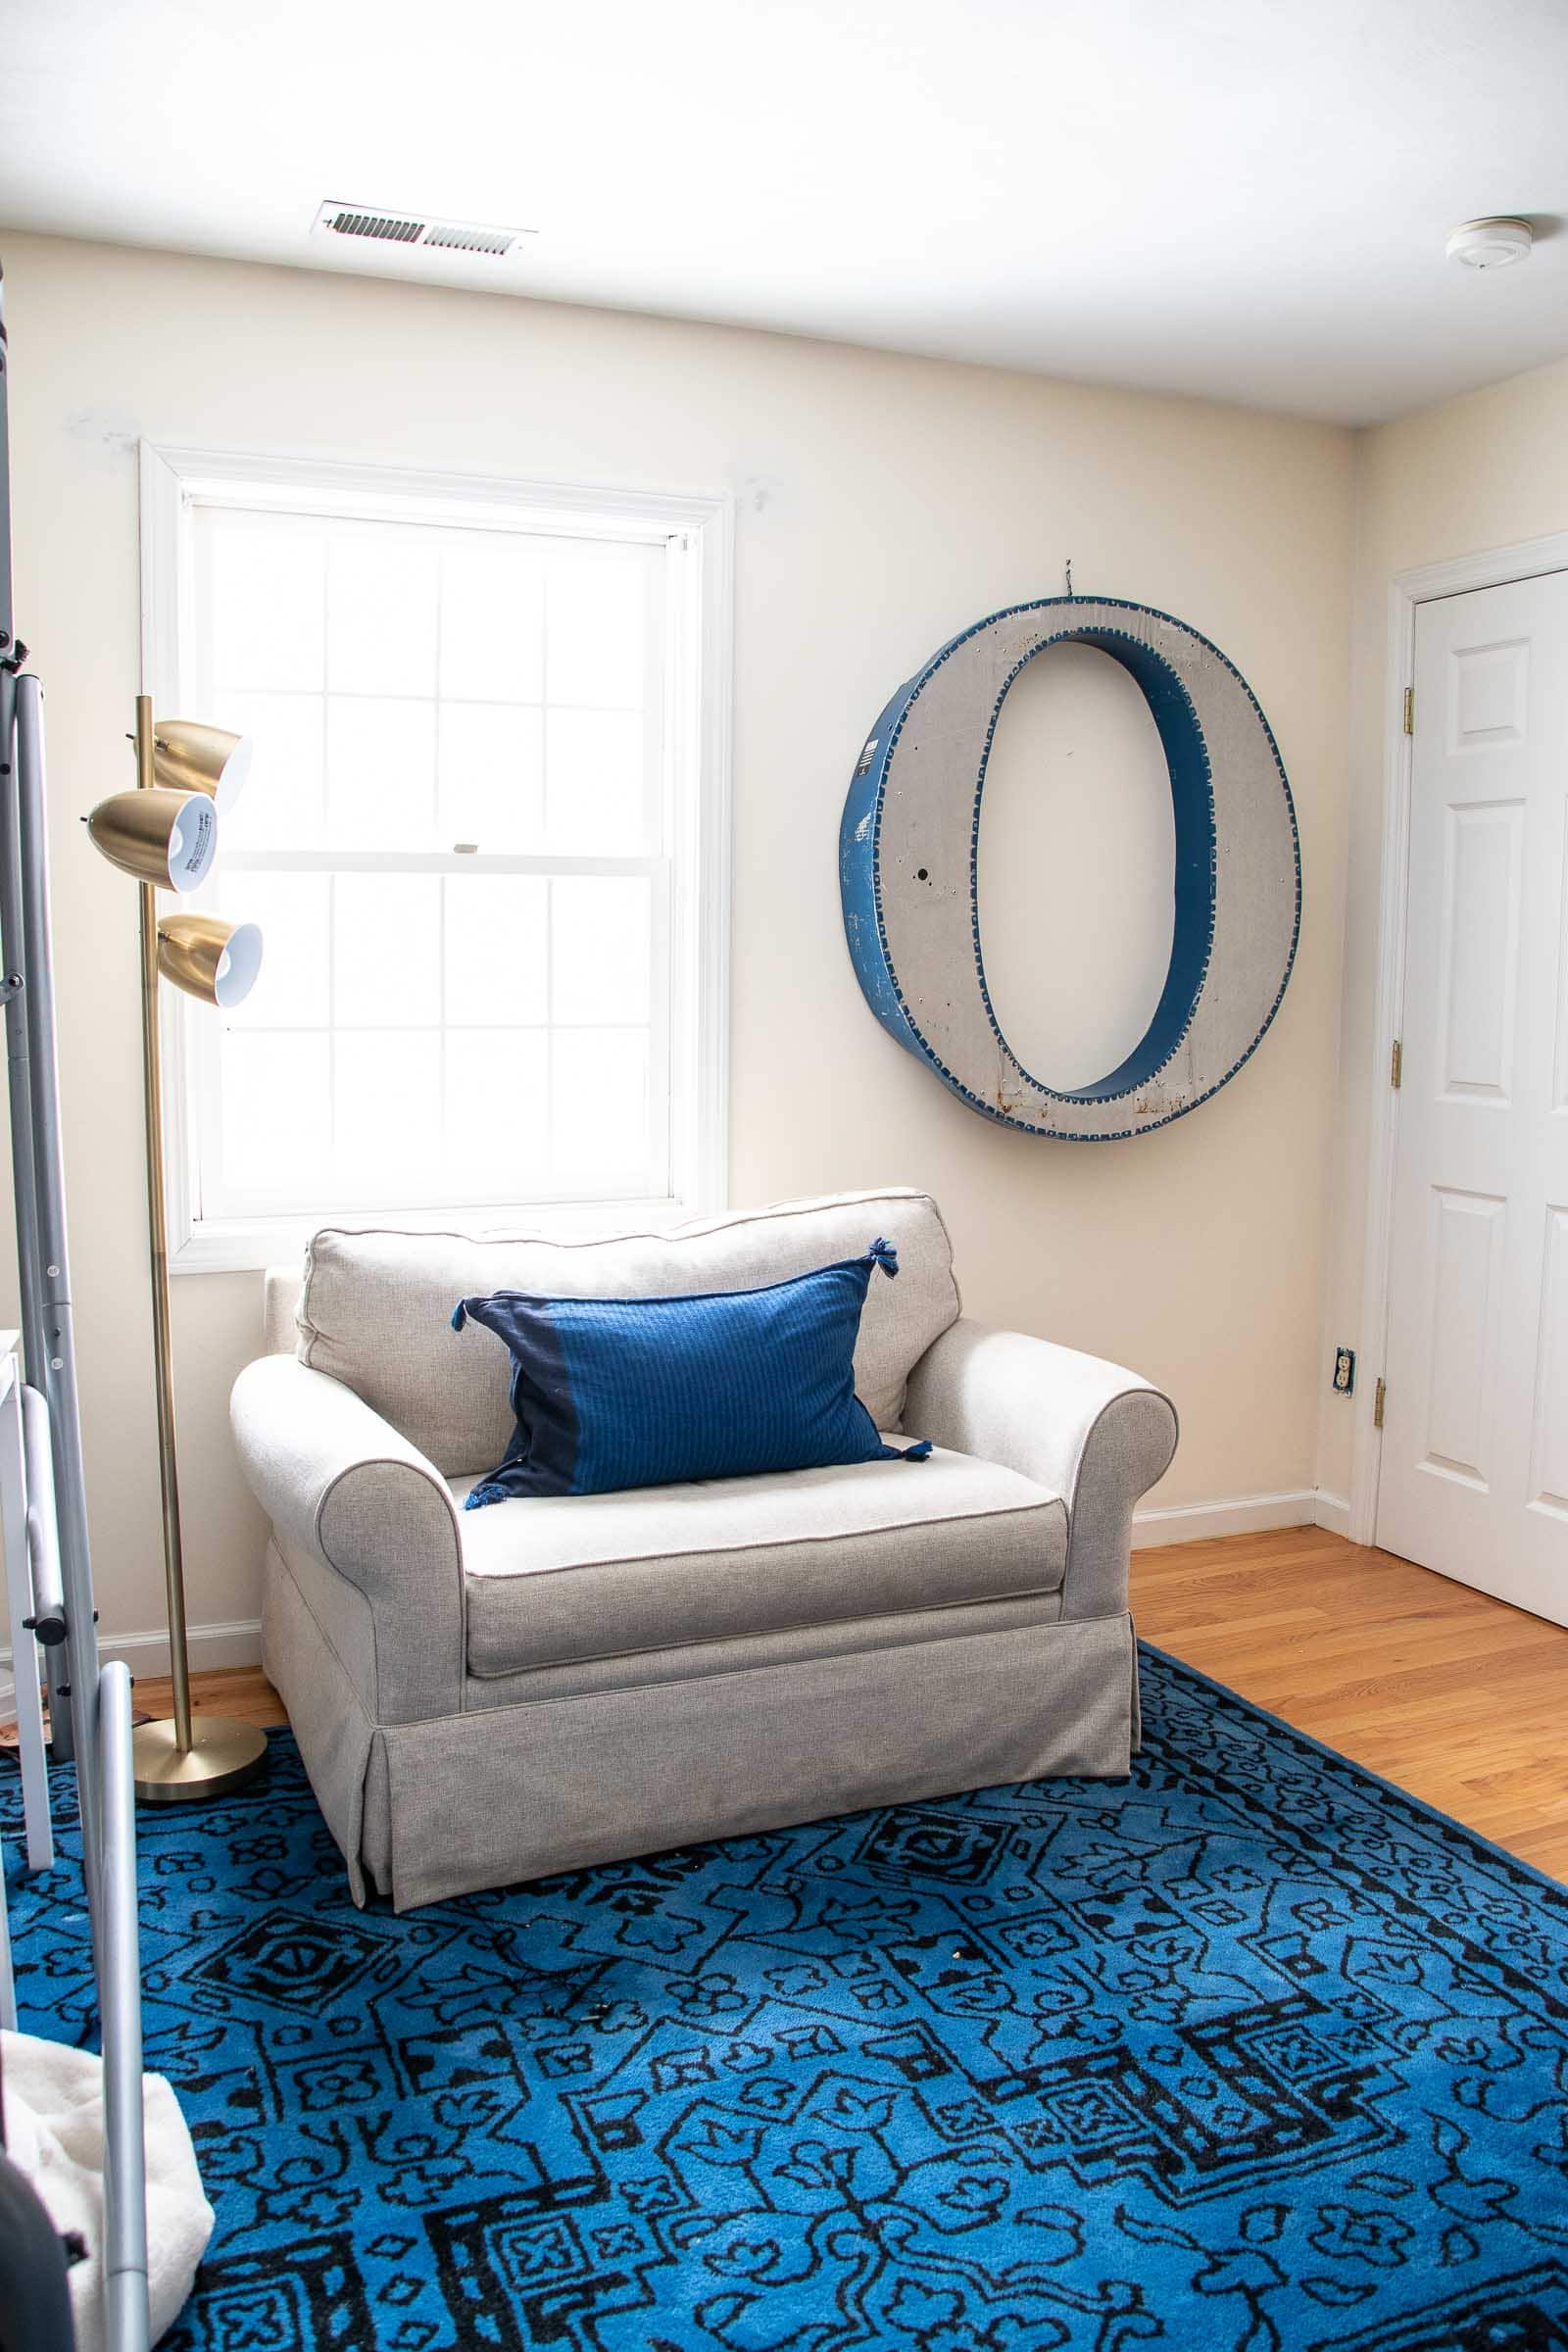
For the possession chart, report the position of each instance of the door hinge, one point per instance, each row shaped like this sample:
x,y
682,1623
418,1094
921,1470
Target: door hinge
x,y
1410,710
1397,1063
1380,1398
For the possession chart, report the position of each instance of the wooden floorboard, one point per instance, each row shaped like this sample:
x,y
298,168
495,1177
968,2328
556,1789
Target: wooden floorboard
x,y
1454,1695
241,1691
1451,1694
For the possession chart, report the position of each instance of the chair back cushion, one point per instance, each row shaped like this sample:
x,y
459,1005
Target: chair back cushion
x,y
375,1311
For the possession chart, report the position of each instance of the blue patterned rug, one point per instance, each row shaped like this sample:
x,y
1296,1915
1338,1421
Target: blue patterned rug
x,y
1248,2052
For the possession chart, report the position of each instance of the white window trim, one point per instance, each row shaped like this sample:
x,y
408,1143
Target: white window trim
x,y
172,477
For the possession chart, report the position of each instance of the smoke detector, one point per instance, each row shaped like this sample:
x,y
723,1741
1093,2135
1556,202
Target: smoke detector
x,y
1490,244
374,225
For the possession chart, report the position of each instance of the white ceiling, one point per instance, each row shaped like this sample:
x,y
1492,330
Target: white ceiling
x,y
1246,199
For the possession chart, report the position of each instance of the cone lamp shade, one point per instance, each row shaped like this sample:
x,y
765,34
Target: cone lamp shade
x,y
215,961
161,837
188,757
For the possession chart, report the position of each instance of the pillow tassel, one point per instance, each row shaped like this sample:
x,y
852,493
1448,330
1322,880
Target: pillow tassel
x,y
882,1253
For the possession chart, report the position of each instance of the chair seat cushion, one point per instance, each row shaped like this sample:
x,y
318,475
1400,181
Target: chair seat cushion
x,y
554,1579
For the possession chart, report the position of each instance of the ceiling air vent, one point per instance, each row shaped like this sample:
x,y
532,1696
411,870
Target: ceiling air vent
x,y
384,226
455,238
412,229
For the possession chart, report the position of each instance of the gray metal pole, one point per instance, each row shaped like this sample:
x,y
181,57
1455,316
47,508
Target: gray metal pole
x,y
12,656
16,1048
24,1175
53,1267
97,1719
119,1980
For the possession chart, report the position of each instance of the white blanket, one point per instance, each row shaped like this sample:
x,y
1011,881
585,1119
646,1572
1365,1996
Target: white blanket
x,y
54,2120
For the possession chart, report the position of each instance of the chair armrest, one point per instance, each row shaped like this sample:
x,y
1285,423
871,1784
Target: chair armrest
x,y
342,1485
1097,1435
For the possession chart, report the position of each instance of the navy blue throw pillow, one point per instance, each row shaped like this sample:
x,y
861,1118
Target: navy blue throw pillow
x,y
613,1392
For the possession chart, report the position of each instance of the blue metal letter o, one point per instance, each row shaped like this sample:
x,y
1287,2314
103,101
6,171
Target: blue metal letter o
x,y
908,869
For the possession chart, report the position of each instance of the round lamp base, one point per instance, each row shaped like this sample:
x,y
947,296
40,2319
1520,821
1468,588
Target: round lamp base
x,y
223,1755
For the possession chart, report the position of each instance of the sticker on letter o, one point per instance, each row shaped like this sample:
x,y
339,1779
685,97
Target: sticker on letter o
x,y
907,870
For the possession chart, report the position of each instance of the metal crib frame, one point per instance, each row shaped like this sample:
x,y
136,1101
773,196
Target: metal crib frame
x,y
90,1701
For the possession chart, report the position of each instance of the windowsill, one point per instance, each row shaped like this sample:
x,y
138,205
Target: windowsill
x,y
248,1245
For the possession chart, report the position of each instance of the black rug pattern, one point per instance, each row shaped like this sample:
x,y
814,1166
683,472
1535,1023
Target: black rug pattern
x,y
1249,2052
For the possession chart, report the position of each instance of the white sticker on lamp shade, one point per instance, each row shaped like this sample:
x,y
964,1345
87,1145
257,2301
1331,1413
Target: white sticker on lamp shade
x,y
908,873
158,836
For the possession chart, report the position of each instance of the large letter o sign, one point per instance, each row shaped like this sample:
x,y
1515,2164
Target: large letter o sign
x,y
906,867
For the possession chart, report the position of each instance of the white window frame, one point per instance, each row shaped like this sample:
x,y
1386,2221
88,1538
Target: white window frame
x,y
174,480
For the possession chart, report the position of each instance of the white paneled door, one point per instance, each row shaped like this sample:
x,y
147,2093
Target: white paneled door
x,y
1474,1475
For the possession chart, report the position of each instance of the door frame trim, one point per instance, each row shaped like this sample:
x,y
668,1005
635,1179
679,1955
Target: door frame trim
x,y
1493,567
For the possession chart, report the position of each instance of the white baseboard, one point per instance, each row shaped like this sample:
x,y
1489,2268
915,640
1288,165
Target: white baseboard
x,y
207,1646
1334,1512
1237,1515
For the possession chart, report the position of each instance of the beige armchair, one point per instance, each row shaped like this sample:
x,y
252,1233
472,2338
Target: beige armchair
x,y
554,1681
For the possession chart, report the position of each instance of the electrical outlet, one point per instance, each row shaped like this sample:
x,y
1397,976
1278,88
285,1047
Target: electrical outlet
x,y
1345,1371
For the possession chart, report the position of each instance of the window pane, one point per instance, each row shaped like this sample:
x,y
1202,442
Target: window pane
x,y
497,1113
496,950
380,609
292,987
599,1107
492,619
596,624
599,950
492,776
265,602
439,1037
593,782
386,950
283,802
380,772
386,1095
277,1109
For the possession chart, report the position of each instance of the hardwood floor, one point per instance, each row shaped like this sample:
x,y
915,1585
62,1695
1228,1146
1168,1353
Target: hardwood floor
x,y
238,1691
241,1691
1455,1697
1451,1694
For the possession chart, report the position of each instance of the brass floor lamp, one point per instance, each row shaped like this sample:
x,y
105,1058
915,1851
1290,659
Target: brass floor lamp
x,y
165,834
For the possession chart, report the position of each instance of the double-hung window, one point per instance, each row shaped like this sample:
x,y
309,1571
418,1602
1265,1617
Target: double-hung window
x,y
484,835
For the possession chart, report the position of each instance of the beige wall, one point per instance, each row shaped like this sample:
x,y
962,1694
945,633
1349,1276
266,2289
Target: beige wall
x,y
883,503
1458,479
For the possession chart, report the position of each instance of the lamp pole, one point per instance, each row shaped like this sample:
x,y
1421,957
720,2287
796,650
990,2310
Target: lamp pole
x,y
158,1245
175,1759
